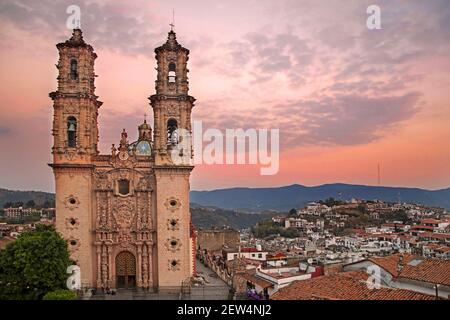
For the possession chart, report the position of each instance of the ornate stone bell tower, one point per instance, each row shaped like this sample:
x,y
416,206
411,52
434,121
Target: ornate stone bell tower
x,y
172,107
75,136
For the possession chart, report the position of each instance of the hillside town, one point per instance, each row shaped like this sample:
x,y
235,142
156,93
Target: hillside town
x,y
18,217
321,251
324,251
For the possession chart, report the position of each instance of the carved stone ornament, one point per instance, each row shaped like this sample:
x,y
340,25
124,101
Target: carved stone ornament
x,y
102,182
74,244
123,212
174,264
70,154
71,202
124,217
173,224
173,112
103,216
172,204
72,223
173,244
71,110
143,184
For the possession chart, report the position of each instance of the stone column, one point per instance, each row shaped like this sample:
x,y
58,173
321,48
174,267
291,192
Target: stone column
x,y
108,213
111,269
149,245
139,264
104,266
99,264
183,118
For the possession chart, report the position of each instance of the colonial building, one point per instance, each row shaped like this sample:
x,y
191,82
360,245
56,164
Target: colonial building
x,y
125,214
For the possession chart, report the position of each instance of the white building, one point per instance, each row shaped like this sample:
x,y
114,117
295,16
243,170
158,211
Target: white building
x,y
249,253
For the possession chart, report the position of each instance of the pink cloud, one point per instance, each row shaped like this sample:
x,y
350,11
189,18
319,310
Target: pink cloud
x,y
310,68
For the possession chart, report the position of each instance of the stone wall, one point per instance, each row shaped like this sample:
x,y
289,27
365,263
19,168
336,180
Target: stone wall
x,y
213,240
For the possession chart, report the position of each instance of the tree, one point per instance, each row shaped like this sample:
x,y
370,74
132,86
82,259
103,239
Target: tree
x,y
31,204
290,233
292,213
49,204
362,208
18,204
60,294
265,228
8,204
331,202
34,264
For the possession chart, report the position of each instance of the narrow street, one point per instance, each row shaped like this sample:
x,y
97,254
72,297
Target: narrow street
x,y
214,288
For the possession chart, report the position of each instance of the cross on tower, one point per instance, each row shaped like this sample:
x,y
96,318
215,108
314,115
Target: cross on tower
x,y
172,25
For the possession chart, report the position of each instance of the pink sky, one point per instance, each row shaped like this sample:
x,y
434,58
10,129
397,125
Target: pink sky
x,y
345,98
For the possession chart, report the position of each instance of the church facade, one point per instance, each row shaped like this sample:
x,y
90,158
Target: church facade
x,y
124,214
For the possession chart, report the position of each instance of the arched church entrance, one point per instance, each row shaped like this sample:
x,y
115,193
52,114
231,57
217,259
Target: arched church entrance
x,y
126,270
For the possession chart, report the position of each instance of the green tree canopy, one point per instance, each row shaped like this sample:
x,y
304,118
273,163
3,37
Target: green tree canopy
x,y
60,294
8,204
31,204
269,228
18,204
49,204
34,264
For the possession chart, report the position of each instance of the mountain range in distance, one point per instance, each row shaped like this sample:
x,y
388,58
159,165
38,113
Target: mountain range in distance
x,y
297,196
279,198
14,196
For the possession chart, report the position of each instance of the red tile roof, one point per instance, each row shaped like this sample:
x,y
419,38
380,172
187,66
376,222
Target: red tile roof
x,y
390,263
343,286
249,250
426,270
249,275
434,235
429,270
437,247
421,227
276,255
433,221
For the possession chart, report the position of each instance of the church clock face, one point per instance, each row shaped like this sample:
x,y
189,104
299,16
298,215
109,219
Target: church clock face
x,y
123,155
143,148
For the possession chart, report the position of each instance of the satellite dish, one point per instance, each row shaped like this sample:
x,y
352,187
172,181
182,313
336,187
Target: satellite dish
x,y
310,260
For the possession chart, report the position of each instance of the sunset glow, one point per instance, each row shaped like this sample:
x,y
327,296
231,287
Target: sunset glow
x,y
345,98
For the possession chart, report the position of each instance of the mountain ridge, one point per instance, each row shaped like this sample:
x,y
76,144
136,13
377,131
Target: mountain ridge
x,y
296,195
280,198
